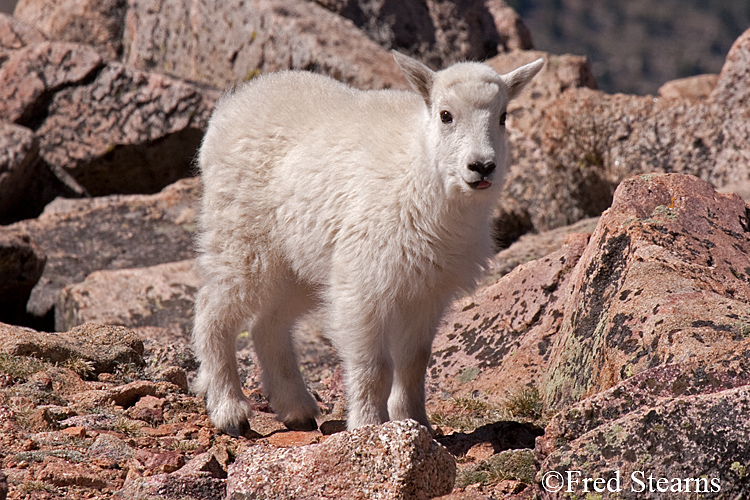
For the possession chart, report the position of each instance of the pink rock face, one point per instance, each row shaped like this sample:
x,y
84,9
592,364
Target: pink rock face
x,y
500,338
389,461
665,278
15,34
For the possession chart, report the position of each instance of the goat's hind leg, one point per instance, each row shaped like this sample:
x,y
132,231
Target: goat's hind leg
x,y
271,332
219,317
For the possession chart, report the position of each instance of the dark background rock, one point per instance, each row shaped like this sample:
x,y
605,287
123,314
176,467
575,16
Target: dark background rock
x,y
19,165
438,32
21,266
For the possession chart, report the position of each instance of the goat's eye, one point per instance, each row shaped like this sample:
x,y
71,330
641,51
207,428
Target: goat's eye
x,y
503,117
446,117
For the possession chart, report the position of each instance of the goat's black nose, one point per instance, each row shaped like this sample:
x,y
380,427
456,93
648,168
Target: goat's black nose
x,y
481,168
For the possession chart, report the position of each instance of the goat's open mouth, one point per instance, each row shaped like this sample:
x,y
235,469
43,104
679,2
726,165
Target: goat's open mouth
x,y
482,184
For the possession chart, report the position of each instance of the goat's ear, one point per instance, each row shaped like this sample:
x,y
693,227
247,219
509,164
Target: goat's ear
x,y
517,79
419,76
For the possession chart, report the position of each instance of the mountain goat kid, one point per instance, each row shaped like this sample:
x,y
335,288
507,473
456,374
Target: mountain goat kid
x,y
373,204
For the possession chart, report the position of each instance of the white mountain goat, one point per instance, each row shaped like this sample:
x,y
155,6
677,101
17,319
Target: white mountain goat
x,y
373,204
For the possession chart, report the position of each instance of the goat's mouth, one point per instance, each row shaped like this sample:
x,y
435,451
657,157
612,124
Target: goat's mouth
x,y
480,184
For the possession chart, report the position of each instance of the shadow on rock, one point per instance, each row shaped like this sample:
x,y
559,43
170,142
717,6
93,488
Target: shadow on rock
x,y
504,435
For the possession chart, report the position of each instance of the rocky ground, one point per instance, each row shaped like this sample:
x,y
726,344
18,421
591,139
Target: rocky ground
x,y
611,339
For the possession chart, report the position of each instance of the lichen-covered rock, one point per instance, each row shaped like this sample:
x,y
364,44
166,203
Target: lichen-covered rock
x,y
665,279
161,295
699,444
649,389
389,461
104,347
113,232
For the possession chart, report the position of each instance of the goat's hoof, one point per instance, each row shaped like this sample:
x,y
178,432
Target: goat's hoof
x,y
302,425
239,429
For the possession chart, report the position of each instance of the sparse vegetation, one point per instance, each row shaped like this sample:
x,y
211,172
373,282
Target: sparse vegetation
x,y
20,367
127,426
469,413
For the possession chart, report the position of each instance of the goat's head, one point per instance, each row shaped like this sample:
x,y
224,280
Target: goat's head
x,y
467,107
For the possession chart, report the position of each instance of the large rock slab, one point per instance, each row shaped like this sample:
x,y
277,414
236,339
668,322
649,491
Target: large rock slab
x,y
33,73
161,296
104,129
223,43
112,232
125,132
389,461
665,278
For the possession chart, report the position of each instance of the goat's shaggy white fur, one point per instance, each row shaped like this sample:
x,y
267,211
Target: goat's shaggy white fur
x,y
373,204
